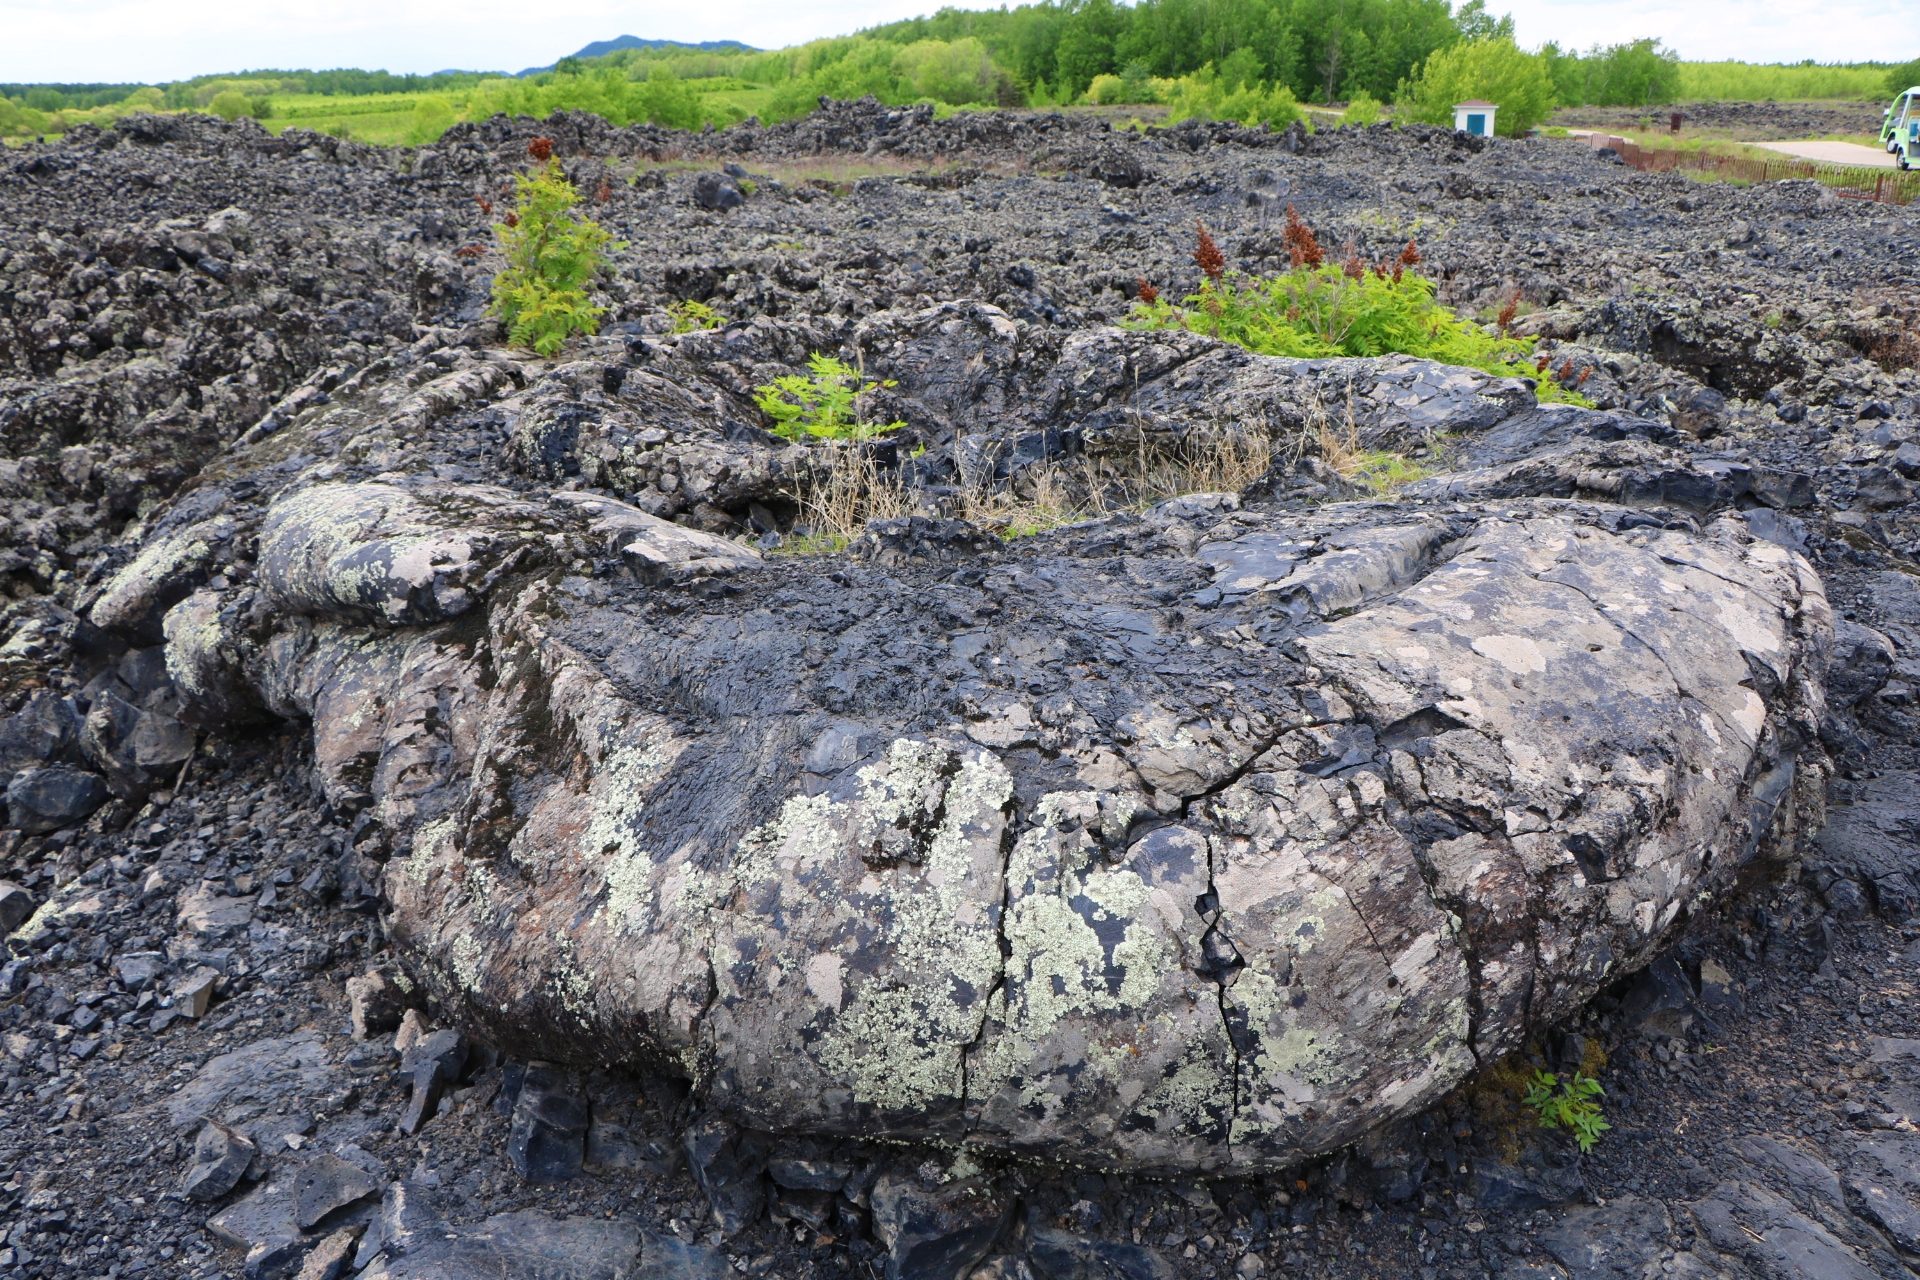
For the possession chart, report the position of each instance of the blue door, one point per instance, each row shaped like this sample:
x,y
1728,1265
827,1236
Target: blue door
x,y
1476,123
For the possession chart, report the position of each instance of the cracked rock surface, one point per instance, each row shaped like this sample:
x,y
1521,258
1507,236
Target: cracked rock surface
x,y
1205,840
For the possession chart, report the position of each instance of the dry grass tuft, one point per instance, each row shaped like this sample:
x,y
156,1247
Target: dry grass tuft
x,y
842,496
852,489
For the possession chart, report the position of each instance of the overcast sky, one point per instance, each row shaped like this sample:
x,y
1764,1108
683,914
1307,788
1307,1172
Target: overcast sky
x,y
157,40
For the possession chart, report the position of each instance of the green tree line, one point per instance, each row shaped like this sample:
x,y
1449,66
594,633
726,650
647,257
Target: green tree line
x,y
1250,60
200,91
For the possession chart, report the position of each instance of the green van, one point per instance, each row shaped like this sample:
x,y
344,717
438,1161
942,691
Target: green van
x,y
1900,134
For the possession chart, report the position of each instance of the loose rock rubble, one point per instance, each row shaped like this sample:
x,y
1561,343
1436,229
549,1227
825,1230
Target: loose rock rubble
x,y
447,838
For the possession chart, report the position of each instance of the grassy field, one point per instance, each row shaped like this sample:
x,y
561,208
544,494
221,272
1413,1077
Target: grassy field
x,y
751,98
1750,82
382,118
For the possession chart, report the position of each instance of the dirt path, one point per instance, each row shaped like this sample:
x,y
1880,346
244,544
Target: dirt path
x,y
1833,152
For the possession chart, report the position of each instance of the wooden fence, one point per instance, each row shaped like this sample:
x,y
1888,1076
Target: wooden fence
x,y
1890,186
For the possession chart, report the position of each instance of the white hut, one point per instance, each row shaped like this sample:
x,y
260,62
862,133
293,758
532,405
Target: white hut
x,y
1474,117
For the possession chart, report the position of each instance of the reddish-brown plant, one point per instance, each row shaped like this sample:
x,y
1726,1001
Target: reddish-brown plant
x,y
486,206
1146,292
469,251
1540,365
1410,256
1398,271
1302,245
1350,262
1507,312
605,193
541,149
1207,254
1584,375
1566,371
513,219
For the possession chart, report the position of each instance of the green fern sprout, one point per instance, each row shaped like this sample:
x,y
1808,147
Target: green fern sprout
x,y
821,404
1569,1105
552,253
690,316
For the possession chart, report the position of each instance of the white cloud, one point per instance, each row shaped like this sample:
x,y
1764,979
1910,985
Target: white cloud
x,y
156,40
1712,30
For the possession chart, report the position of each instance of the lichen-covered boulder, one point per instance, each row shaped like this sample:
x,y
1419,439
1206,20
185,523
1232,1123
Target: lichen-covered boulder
x,y
1207,840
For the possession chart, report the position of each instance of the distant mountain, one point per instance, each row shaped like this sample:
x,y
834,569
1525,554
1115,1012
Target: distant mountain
x,y
601,47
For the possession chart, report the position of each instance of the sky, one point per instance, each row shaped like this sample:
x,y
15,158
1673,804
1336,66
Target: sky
x,y
150,41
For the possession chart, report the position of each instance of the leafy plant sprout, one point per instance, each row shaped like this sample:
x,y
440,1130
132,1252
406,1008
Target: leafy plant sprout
x,y
820,404
691,315
1569,1104
552,253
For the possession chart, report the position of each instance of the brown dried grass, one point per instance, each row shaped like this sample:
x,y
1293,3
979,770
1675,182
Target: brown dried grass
x,y
852,489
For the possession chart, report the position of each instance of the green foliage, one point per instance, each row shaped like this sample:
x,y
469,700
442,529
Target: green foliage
x,y
1323,49
1636,74
1214,96
662,98
1363,110
820,404
956,72
1569,1104
432,116
689,316
1315,312
1749,82
1385,472
1903,77
230,105
1494,70
1134,84
20,120
552,254
1476,23
65,97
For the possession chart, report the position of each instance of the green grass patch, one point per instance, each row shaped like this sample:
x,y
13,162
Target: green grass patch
x,y
813,544
1385,473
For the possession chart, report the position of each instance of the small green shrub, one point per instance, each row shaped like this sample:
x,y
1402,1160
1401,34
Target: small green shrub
x,y
1363,110
1213,96
820,404
1321,309
690,316
1569,1105
230,105
432,116
551,254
